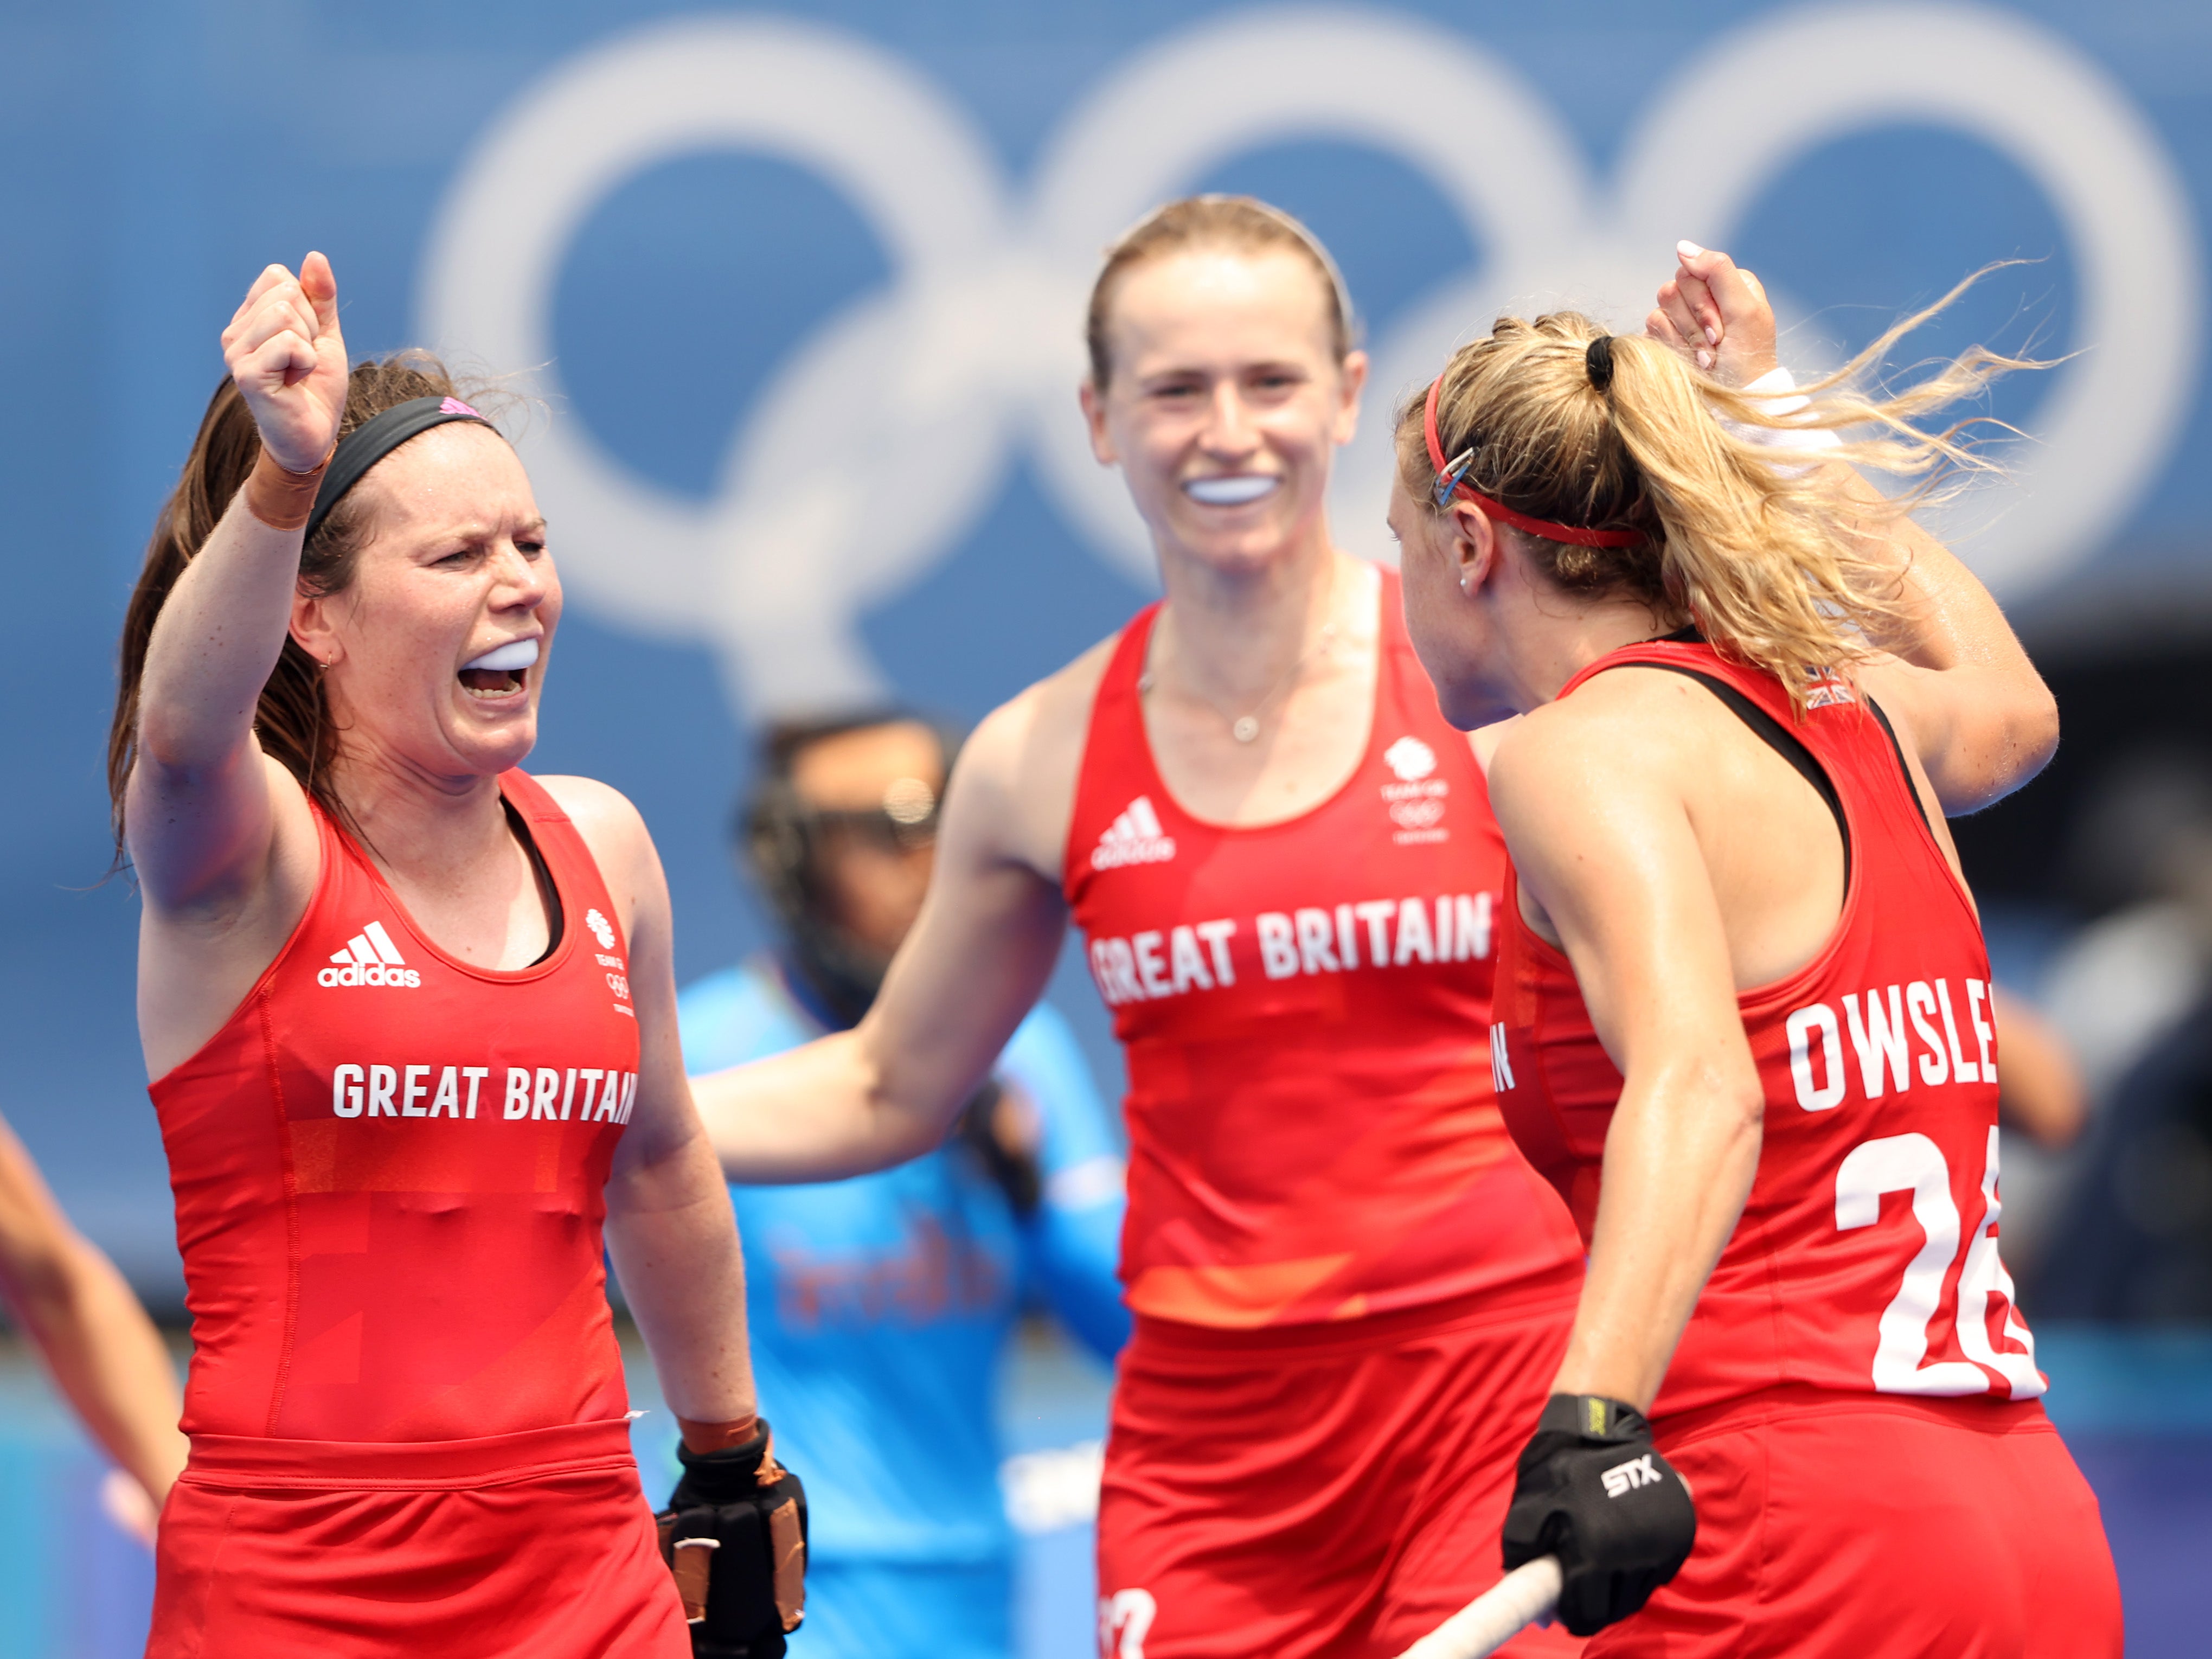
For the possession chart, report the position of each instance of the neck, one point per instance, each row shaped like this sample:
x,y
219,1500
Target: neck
x,y
1230,635
1566,641
420,824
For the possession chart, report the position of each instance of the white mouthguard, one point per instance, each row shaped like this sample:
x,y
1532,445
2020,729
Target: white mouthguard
x,y
1231,490
516,654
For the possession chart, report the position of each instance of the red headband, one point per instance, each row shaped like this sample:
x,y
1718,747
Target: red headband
x,y
1451,481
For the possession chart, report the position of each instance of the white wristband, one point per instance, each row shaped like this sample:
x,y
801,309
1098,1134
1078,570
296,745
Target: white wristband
x,y
1778,399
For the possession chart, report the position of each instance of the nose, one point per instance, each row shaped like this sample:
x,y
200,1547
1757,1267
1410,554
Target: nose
x,y
520,583
1229,434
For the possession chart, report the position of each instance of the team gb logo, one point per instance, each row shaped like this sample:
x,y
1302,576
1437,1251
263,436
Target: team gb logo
x,y
1411,759
600,929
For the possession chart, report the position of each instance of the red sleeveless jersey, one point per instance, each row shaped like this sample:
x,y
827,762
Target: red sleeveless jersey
x,y
389,1168
1305,1009
1866,1259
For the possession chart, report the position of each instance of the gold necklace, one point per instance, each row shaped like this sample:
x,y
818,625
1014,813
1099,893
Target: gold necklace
x,y
1245,728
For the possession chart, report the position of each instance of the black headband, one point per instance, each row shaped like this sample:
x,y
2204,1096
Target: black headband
x,y
377,437
1598,360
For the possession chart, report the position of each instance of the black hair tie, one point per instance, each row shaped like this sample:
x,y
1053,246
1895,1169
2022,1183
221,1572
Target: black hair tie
x,y
1598,360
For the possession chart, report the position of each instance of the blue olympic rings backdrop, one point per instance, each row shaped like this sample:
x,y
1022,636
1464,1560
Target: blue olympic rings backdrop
x,y
798,292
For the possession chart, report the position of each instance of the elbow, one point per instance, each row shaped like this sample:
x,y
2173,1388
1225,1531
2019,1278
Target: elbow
x,y
2031,739
42,1285
175,750
2038,732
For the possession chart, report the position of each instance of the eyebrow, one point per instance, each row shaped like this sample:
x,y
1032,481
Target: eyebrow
x,y
477,531
1191,371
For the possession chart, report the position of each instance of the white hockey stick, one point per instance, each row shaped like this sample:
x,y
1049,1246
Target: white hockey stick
x,y
1494,1618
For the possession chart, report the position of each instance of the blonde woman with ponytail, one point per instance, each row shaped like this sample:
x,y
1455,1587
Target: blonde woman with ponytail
x,y
1742,1015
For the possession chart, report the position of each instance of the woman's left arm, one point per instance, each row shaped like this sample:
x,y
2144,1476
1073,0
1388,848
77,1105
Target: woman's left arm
x,y
1960,688
1958,685
670,1229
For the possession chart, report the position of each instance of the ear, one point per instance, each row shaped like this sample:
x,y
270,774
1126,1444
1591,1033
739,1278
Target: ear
x,y
1354,377
1093,399
312,628
1477,548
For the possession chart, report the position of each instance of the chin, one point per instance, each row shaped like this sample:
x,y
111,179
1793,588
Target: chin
x,y
1469,705
489,752
1240,547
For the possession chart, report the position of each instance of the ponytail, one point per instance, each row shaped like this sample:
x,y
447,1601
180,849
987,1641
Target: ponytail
x,y
1776,565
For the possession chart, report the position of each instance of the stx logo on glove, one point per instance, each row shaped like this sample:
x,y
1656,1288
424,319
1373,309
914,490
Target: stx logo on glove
x,y
1626,1477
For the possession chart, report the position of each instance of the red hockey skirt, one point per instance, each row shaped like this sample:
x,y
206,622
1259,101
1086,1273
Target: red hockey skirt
x,y
538,1543
1837,1526
1318,1493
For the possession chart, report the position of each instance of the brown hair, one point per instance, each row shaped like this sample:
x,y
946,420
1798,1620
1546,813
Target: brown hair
x,y
1242,223
292,719
1771,563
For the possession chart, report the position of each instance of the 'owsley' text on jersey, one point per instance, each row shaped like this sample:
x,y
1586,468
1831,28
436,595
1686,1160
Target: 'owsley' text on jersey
x,y
1866,1258
1305,1008
389,1168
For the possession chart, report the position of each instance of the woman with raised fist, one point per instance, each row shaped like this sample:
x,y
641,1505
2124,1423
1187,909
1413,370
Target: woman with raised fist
x,y
1743,1002
410,1017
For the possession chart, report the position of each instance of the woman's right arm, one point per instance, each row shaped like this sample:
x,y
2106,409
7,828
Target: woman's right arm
x,y
977,958
200,808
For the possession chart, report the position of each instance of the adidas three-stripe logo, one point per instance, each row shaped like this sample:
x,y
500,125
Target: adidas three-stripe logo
x,y
1135,837
370,958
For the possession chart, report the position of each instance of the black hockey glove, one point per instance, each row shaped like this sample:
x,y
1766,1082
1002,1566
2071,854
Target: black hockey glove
x,y
734,1533
1594,1493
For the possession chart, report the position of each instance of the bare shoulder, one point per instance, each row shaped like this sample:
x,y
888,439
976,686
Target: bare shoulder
x,y
1013,791
614,830
1625,724
1483,740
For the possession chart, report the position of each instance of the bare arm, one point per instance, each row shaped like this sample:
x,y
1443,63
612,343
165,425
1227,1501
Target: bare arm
x,y
977,958
1960,689
1958,685
669,1230
201,811
106,1356
1602,839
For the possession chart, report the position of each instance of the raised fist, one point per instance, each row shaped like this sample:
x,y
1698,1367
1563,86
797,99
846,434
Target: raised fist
x,y
1717,315
284,350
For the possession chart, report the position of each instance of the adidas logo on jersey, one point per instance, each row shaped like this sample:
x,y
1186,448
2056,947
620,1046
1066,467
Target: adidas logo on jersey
x,y
370,958
1135,837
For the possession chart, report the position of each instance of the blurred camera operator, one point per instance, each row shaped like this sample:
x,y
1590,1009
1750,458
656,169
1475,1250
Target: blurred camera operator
x,y
882,1305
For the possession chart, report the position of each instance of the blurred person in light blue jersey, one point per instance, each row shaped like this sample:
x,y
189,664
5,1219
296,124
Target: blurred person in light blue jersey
x,y
882,1305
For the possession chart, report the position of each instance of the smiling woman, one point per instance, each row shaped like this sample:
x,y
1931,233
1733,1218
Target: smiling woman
x,y
406,1106
1348,1287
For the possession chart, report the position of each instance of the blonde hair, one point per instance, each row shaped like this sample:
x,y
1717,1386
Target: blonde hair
x,y
1243,224
1772,564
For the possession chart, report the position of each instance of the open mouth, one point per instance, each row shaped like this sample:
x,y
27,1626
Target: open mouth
x,y
499,673
1231,489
